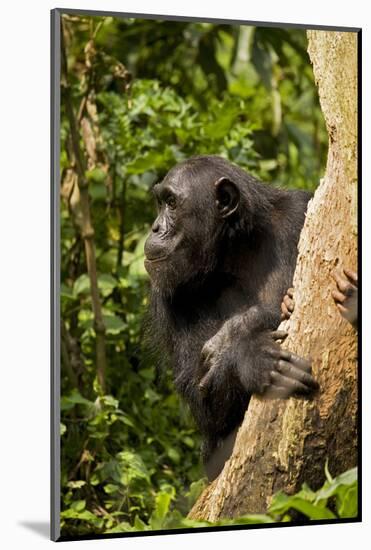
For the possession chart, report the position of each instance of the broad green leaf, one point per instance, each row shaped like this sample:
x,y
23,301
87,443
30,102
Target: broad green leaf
x,y
113,324
81,285
74,398
282,503
78,505
106,283
162,500
348,504
330,488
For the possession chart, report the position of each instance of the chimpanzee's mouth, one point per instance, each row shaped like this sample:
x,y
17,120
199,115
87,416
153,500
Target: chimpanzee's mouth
x,y
155,260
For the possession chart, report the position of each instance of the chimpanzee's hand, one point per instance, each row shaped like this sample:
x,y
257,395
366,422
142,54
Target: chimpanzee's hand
x,y
274,372
346,295
292,376
259,364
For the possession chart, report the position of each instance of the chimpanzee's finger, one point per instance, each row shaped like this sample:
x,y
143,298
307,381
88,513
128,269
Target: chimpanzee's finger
x,y
289,302
279,334
285,313
342,284
338,296
352,276
291,371
290,292
290,383
302,363
343,310
277,392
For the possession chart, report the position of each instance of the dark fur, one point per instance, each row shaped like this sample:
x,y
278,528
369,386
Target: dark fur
x,y
236,270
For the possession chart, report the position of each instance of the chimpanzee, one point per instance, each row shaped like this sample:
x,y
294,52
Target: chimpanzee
x,y
221,255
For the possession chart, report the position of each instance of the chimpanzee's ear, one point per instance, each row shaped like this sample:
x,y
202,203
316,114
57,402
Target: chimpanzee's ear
x,y
227,196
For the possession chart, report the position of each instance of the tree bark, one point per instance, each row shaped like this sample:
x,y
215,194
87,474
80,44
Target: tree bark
x,y
281,444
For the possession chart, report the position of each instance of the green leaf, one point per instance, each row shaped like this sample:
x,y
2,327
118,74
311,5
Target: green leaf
x,y
84,516
123,527
162,504
151,161
195,491
106,283
97,175
331,488
282,503
174,455
189,441
132,467
187,522
125,419
139,524
110,488
74,398
76,484
225,118
81,285
78,505
110,401
348,504
98,192
113,324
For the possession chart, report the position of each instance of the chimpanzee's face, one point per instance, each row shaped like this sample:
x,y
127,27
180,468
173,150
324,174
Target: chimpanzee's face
x,y
177,233
167,232
192,207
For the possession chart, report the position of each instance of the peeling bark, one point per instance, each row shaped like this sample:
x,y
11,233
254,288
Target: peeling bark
x,y
281,444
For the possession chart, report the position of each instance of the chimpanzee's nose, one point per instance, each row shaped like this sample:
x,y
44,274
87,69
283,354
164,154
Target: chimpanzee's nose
x,y
156,226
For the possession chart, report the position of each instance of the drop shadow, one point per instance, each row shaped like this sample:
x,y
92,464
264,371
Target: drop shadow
x,y
42,528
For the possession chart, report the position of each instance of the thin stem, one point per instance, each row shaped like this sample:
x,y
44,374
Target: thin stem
x,y
87,230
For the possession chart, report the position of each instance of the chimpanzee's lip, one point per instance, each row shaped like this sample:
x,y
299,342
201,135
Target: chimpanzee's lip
x,y
155,260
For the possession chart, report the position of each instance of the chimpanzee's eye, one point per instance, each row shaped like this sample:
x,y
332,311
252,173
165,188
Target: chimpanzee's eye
x,y
171,201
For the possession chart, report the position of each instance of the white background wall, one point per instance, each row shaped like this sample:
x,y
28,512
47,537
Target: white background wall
x,y
25,268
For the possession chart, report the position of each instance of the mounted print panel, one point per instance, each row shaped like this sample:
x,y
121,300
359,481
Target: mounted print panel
x,y
205,321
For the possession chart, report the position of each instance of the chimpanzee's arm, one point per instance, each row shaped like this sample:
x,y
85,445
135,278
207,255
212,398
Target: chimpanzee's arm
x,y
247,345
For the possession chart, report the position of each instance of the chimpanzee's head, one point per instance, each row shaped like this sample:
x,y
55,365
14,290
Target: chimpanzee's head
x,y
195,201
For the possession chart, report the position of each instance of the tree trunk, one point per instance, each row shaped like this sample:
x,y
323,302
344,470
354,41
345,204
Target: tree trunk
x,y
281,444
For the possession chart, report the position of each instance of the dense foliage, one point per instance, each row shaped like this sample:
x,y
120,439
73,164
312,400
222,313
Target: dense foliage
x,y
138,96
336,499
